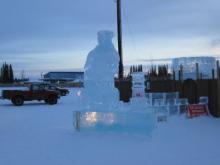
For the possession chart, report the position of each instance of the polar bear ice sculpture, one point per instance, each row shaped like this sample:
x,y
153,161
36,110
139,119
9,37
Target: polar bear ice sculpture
x,y
99,71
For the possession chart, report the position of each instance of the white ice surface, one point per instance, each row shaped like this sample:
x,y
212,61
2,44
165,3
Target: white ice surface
x,y
39,134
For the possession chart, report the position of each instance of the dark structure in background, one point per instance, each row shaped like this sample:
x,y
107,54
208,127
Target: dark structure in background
x,y
166,82
59,77
188,88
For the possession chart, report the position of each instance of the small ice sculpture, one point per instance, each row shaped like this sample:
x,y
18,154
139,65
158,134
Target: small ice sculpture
x,y
99,71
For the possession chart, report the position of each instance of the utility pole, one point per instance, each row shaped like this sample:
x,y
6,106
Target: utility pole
x,y
120,48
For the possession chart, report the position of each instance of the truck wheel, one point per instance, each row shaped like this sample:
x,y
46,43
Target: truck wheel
x,y
52,100
18,101
63,94
46,101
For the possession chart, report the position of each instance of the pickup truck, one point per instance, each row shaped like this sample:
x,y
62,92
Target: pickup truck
x,y
35,92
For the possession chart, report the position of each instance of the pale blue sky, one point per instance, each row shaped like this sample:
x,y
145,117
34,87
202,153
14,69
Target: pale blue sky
x,y
42,35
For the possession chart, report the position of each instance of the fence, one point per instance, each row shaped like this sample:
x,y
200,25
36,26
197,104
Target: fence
x,y
189,89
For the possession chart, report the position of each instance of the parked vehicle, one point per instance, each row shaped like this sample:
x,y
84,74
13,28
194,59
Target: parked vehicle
x,y
63,91
35,92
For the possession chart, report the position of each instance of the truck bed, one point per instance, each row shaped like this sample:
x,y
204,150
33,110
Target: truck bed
x,y
9,94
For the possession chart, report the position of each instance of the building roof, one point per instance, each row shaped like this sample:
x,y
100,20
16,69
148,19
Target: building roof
x,y
71,76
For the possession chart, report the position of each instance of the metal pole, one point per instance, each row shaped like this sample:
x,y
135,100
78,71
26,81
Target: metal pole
x,y
201,76
197,71
213,74
174,75
77,120
181,73
120,48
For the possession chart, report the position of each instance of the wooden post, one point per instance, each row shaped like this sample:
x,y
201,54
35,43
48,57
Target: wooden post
x,y
77,120
218,71
197,71
120,48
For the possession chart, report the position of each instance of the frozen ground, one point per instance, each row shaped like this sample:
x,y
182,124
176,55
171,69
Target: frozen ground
x,y
39,134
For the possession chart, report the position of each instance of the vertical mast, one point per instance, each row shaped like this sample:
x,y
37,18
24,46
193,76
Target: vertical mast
x,y
120,50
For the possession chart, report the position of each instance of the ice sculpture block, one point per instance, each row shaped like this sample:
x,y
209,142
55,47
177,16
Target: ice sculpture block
x,y
135,123
99,71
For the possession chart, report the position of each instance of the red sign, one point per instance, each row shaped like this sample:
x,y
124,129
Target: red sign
x,y
197,110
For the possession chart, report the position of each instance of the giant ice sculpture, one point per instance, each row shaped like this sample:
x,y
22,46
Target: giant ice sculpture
x,y
99,71
206,64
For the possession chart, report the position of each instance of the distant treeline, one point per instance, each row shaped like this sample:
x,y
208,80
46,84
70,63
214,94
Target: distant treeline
x,y
138,68
7,74
160,71
155,72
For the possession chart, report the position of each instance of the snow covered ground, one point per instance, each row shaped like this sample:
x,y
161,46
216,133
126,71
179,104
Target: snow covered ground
x,y
39,134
